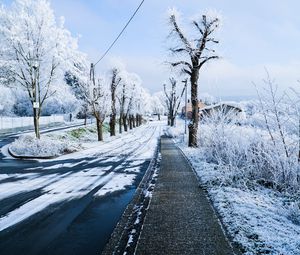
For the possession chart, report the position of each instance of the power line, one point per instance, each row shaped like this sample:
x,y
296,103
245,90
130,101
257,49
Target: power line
x,y
128,22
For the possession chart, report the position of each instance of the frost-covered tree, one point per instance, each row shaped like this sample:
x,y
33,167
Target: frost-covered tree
x,y
36,51
99,103
78,85
63,102
93,93
159,105
7,101
131,92
126,103
128,107
193,53
172,99
142,105
122,98
115,81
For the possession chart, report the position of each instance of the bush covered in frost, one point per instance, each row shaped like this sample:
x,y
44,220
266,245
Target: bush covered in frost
x,y
28,145
266,151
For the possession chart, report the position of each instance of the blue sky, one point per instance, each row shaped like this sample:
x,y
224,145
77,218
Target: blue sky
x,y
255,34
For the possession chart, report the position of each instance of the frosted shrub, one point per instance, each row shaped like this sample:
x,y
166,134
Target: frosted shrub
x,y
249,153
226,147
266,148
29,146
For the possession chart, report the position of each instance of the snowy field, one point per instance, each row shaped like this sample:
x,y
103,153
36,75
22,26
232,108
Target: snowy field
x,y
103,168
260,219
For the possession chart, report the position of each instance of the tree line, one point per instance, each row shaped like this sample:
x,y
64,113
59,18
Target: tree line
x,y
40,57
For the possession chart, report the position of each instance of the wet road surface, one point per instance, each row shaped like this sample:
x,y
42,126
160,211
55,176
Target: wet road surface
x,y
71,204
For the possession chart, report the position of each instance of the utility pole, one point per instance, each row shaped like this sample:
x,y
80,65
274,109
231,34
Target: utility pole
x,y
36,104
185,112
92,73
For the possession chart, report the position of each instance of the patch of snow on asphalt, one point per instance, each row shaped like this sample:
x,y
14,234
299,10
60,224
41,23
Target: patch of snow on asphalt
x,y
99,169
117,183
70,187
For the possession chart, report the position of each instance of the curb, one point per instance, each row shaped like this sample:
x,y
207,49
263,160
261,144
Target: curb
x,y
118,242
28,157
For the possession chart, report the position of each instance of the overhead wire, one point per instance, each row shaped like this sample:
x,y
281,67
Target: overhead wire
x,y
119,35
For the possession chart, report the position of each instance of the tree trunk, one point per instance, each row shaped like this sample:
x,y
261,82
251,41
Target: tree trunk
x,y
125,123
137,120
158,116
133,121
112,125
36,123
172,122
99,130
130,122
193,127
120,124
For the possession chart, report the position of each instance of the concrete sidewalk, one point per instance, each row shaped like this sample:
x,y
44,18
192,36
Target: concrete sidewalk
x,y
180,219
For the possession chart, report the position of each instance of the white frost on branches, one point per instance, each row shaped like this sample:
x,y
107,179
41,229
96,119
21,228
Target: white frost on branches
x,y
36,50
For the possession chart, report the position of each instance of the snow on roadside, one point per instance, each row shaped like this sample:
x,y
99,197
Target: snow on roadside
x,y
54,144
59,143
28,145
259,220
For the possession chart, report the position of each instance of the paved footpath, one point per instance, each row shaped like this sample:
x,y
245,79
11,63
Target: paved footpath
x,y
180,219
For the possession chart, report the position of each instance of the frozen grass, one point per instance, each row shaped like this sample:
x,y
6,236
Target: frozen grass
x,y
260,220
86,133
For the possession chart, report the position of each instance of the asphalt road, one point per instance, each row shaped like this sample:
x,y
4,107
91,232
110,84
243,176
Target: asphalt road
x,y
60,206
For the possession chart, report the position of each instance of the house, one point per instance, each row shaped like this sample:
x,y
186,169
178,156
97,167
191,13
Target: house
x,y
201,105
229,110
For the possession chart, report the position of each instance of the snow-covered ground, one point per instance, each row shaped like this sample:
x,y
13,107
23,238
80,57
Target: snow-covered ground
x,y
56,143
260,220
103,168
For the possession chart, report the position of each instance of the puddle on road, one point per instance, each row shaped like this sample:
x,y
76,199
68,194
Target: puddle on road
x,y
89,233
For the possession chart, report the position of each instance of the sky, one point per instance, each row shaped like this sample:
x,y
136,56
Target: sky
x,y
255,35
